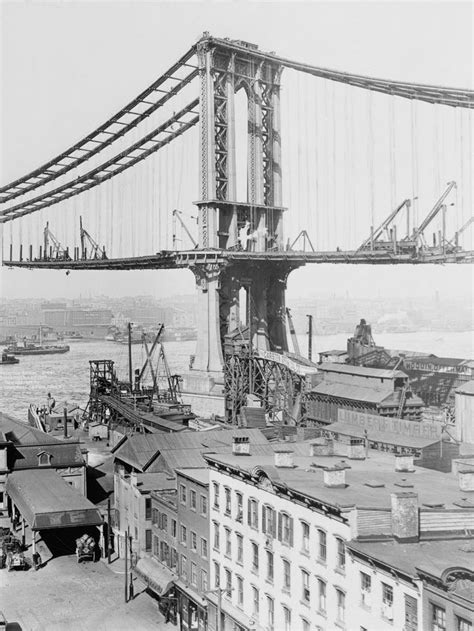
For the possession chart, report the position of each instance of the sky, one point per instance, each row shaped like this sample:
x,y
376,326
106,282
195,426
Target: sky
x,y
67,66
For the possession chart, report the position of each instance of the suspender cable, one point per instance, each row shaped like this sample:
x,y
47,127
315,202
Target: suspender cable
x,y
334,189
393,173
436,152
370,155
414,162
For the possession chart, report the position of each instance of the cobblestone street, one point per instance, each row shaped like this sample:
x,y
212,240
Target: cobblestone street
x,y
65,595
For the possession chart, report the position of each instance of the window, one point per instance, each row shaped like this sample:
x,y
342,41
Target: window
x,y
228,546
163,523
184,535
240,510
193,574
182,494
164,553
217,574
322,541
147,540
254,557
286,619
321,595
269,566
203,548
387,594
155,516
270,612
203,580
192,500
173,528
253,513
194,545
341,554
269,521
411,614
305,536
147,507
305,584
216,536
228,503
285,528
240,590
228,583
174,559
305,625
203,505
183,568
462,624
438,618
255,601
44,459
365,588
286,574
240,548
215,487
156,546
341,605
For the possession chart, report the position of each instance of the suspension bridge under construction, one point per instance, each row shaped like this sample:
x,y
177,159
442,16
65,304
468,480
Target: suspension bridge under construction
x,y
242,166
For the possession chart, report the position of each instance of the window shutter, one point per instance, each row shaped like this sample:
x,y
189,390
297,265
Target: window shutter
x,y
291,530
279,527
249,512
264,521
274,526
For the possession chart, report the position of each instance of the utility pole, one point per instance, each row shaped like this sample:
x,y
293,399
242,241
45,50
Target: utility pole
x,y
109,532
310,337
126,566
130,377
219,591
130,587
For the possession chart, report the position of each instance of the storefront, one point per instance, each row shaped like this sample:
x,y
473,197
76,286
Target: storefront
x,y
192,608
160,582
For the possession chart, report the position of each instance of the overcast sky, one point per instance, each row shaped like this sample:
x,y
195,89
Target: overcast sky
x,y
67,66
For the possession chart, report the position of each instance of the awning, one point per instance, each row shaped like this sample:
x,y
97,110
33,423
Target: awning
x,y
191,593
156,576
45,500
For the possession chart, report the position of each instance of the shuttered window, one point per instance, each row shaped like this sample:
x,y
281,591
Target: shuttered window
x,y
285,528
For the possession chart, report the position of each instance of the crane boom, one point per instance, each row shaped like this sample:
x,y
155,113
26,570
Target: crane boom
x,y
177,215
293,332
433,212
376,234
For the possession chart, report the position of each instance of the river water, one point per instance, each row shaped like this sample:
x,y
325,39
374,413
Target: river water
x,y
67,376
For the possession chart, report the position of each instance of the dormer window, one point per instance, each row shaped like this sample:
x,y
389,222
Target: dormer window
x,y
44,459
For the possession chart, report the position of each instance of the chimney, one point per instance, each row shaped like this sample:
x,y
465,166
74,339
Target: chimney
x,y
404,463
466,478
321,447
284,458
405,518
241,446
335,476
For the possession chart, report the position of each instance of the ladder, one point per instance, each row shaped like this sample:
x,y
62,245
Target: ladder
x,y
403,397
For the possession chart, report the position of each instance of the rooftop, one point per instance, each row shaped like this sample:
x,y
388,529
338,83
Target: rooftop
x,y
368,393
432,557
200,475
155,481
17,432
391,438
361,371
466,388
306,477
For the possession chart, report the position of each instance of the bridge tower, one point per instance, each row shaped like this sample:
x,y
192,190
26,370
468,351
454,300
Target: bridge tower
x,y
225,67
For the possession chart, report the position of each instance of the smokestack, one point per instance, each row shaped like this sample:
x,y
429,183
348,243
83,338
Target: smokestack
x,y
241,446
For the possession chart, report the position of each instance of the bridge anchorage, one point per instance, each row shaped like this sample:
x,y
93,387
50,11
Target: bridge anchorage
x,y
239,256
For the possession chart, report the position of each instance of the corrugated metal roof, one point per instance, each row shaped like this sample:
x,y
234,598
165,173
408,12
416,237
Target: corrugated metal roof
x,y
362,371
46,501
352,392
466,388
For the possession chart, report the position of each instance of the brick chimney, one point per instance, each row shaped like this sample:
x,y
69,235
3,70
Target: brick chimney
x,y
404,463
466,478
241,445
335,476
405,516
284,458
321,447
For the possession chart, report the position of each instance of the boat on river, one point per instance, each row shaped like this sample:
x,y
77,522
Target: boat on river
x,y
37,349
8,359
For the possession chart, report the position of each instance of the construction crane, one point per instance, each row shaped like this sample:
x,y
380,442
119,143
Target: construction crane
x,y
177,216
52,245
377,233
294,339
460,231
95,251
439,205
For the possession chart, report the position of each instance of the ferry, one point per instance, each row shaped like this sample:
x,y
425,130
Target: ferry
x,y
8,359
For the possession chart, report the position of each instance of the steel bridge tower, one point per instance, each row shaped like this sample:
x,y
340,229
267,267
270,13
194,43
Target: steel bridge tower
x,y
223,72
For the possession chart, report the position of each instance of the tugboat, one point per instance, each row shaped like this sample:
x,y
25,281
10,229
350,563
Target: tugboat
x,y
31,348
8,359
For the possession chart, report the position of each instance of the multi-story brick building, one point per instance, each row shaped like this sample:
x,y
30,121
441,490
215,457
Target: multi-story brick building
x,y
289,533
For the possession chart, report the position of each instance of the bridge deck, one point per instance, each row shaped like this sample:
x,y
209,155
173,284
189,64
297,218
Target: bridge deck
x,y
189,258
